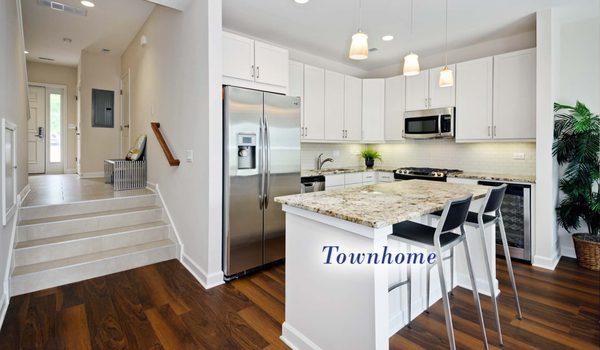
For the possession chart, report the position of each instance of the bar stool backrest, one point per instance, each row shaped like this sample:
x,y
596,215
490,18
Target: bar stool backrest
x,y
495,196
455,213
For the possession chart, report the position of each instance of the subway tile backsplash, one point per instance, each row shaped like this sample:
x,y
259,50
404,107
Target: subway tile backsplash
x,y
494,157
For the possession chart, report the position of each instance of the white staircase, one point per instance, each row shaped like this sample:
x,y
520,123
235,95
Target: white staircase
x,y
65,243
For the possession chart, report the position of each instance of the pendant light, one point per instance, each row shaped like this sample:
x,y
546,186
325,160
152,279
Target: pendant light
x,y
446,75
411,61
359,48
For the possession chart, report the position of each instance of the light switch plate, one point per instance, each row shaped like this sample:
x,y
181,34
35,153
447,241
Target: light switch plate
x,y
189,155
519,155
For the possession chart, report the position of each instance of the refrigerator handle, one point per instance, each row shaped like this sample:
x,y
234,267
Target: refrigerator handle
x,y
261,162
267,162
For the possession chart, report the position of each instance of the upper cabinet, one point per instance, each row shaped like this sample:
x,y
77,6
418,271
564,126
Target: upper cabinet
x,y
296,71
353,108
373,115
314,103
474,82
514,95
254,64
417,91
334,106
441,97
394,108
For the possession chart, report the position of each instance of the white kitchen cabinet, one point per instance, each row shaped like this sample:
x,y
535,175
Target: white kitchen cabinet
x,y
334,106
474,82
272,64
353,108
369,177
238,57
296,72
514,95
441,97
336,180
373,115
254,64
384,176
353,178
394,108
417,91
314,103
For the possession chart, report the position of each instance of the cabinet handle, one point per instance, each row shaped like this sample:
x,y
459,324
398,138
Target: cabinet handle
x,y
257,72
426,102
252,71
489,132
494,130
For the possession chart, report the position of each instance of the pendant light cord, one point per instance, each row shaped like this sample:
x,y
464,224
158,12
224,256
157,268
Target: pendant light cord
x,y
446,43
360,15
412,16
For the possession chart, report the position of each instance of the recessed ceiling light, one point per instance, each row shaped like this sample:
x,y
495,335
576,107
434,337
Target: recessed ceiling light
x,y
67,40
387,38
301,1
26,52
87,3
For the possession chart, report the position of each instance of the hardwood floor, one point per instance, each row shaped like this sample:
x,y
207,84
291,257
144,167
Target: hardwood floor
x,y
161,306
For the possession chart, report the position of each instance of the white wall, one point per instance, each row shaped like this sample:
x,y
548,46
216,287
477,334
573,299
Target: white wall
x,y
175,80
98,71
63,75
13,107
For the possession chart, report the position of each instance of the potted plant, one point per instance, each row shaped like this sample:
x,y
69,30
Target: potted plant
x,y
370,155
577,145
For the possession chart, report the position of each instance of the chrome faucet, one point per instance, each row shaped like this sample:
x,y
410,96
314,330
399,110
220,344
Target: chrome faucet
x,y
321,162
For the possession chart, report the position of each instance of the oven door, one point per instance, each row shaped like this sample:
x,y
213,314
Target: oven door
x,y
428,124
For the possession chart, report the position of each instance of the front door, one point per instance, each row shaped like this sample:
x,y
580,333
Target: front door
x,y
36,130
125,109
55,134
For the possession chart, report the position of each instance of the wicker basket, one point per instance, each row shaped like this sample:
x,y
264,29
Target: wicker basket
x,y
588,253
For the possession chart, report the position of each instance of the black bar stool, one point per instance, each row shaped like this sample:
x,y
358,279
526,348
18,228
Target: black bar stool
x,y
440,239
491,204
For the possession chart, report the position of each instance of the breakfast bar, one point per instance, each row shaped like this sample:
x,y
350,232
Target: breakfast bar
x,y
331,303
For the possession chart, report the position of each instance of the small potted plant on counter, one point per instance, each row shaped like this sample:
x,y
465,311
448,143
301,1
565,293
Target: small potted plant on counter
x,y
577,145
370,155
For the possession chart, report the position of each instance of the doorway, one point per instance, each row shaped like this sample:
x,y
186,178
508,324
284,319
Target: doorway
x,y
125,114
46,129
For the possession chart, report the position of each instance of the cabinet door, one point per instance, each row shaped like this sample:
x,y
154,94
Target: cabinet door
x,y
272,64
353,108
314,103
373,110
297,86
474,99
394,107
514,95
417,91
334,106
238,57
440,97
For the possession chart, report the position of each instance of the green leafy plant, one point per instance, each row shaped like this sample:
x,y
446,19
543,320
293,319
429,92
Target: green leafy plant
x,y
369,153
577,145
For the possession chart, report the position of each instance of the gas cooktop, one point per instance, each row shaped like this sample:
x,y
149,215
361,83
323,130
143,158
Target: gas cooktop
x,y
423,173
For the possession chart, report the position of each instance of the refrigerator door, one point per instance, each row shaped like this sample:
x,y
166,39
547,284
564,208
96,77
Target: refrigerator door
x,y
282,142
243,180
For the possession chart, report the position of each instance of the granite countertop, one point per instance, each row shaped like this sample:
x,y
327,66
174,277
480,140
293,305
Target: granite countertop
x,y
382,205
345,170
492,176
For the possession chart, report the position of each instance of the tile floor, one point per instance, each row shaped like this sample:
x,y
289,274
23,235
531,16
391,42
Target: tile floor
x,y
66,188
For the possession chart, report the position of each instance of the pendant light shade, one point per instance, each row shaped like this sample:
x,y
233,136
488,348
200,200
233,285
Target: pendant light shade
x,y
446,77
411,64
359,49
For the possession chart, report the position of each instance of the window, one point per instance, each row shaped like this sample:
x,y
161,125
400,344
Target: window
x,y
103,111
55,127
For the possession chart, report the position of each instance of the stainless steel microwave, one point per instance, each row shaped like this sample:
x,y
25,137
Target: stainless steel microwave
x,y
429,124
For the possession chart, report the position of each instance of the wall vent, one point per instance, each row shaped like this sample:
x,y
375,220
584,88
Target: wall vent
x,y
58,6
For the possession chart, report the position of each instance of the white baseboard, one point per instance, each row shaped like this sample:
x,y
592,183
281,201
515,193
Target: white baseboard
x,y
176,236
545,262
91,175
296,340
23,194
207,281
569,252
3,307
151,186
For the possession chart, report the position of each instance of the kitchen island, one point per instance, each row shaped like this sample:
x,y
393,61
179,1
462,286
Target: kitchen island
x,y
347,306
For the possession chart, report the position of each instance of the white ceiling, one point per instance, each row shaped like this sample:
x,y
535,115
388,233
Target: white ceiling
x,y
111,24
324,27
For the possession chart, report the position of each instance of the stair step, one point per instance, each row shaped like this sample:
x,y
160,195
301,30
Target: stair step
x,y
34,277
35,229
90,206
66,246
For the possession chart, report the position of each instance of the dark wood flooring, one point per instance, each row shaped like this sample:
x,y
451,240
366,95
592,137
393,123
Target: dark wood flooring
x,y
161,306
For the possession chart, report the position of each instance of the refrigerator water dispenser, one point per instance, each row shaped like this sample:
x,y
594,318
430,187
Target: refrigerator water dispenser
x,y
246,150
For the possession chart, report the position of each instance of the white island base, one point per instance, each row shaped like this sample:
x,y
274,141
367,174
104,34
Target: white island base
x,y
348,306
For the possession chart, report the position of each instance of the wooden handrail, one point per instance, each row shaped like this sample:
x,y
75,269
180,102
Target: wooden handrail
x,y
163,144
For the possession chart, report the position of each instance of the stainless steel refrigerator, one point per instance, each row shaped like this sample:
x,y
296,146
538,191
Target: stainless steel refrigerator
x,y
261,160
